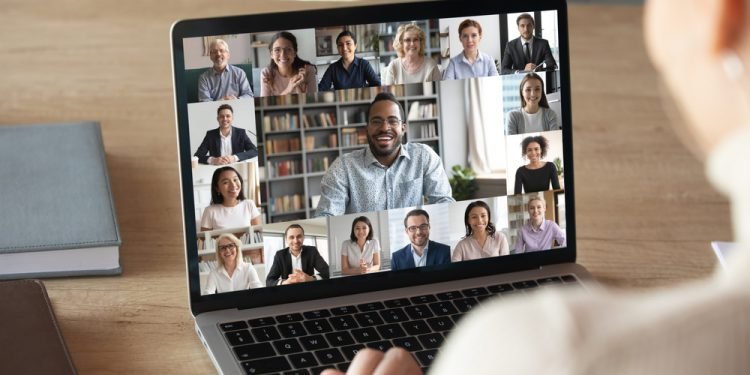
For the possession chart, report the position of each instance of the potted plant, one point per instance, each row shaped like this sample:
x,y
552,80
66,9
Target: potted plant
x,y
463,183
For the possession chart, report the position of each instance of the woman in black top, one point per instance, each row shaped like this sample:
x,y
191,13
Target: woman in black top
x,y
538,174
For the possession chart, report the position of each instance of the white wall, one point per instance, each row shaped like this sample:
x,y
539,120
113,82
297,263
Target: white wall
x,y
490,43
240,51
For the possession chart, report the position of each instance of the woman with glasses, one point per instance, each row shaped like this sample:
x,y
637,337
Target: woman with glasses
x,y
482,239
287,73
360,254
411,66
535,114
470,62
231,272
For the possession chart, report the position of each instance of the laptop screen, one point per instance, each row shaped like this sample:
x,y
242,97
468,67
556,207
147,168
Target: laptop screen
x,y
331,152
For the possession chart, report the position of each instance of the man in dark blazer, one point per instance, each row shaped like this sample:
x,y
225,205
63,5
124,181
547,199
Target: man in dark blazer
x,y
421,252
211,150
297,263
520,57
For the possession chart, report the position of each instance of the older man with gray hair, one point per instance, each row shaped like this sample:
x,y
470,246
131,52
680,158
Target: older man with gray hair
x,y
222,81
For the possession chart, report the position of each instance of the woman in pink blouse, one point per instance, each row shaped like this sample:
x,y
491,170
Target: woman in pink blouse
x,y
482,239
287,73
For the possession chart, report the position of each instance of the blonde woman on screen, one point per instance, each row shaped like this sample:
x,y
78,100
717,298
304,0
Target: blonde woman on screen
x,y
231,272
411,66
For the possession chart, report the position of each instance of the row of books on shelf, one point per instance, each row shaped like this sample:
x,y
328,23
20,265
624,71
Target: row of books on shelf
x,y
317,164
291,99
286,121
353,137
255,237
419,110
286,203
428,130
319,120
283,168
275,146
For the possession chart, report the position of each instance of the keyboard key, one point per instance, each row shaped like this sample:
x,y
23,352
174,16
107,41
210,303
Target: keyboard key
x,y
329,356
239,337
363,335
394,315
409,343
292,330
442,323
233,326
465,304
456,318
398,302
288,346
426,357
487,296
254,351
344,310
549,280
316,314
314,342
262,322
339,338
303,360
289,318
318,326
445,296
318,370
297,372
265,333
343,367
427,298
431,340
383,345
443,308
501,288
416,327
419,312
368,319
267,365
527,284
473,292
372,306
343,323
391,331
352,350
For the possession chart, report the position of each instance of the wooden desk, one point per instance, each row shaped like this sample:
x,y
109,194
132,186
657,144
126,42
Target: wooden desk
x,y
646,214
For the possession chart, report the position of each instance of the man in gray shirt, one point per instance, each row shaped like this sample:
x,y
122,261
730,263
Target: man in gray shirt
x,y
387,174
222,81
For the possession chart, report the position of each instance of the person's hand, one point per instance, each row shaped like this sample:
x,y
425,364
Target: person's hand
x,y
396,361
295,81
229,97
363,266
530,67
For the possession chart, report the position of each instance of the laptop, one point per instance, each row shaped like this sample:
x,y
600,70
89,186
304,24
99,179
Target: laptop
x,y
334,202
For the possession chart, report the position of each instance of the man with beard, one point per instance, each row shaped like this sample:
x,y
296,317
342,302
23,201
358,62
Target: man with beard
x,y
421,251
527,52
387,174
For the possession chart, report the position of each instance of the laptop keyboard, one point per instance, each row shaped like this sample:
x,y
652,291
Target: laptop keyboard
x,y
310,342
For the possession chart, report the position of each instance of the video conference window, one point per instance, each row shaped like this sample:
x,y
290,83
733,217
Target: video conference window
x,y
357,149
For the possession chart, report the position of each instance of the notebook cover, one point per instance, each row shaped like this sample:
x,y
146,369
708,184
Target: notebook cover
x,y
55,189
31,339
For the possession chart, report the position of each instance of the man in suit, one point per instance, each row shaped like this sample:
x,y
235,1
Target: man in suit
x,y
527,52
222,81
421,251
226,144
297,263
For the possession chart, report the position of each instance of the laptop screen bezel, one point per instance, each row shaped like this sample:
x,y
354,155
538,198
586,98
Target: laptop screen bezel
x,y
383,280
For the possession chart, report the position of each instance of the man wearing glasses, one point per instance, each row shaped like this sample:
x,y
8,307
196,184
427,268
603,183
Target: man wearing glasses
x,y
421,251
222,81
387,174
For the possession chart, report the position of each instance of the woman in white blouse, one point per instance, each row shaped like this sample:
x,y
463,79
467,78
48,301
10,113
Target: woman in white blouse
x,y
229,208
482,239
231,272
360,253
411,66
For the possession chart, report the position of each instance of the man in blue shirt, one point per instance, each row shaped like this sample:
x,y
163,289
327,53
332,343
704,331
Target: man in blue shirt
x,y
349,71
421,252
387,174
222,81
